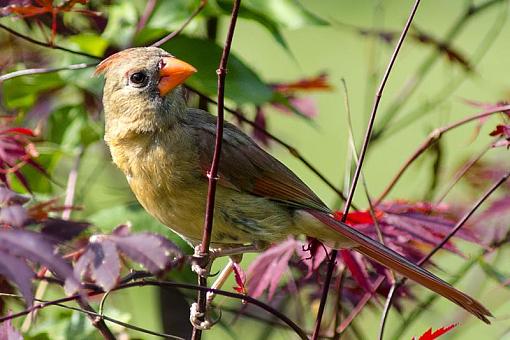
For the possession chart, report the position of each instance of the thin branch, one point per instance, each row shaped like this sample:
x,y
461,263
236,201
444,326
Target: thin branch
x,y
45,44
465,218
415,80
364,147
446,91
386,310
96,320
424,306
118,322
440,245
142,283
147,12
72,179
66,214
430,140
183,26
292,150
31,71
462,171
213,172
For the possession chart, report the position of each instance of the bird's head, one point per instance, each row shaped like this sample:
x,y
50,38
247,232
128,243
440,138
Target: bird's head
x,y
142,88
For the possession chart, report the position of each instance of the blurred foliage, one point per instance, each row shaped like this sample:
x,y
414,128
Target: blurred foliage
x,y
278,41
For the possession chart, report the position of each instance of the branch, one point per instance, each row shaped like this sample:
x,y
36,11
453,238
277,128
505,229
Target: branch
x,y
48,45
431,139
147,12
31,71
98,291
424,306
364,147
462,171
415,80
213,172
183,26
440,245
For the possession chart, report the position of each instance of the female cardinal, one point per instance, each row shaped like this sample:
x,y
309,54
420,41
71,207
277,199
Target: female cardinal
x,y
165,150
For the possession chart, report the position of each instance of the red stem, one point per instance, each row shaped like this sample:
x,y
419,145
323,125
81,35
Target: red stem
x,y
213,172
364,147
440,245
431,139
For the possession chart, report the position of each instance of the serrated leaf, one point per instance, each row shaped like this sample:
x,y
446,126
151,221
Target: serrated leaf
x,y
36,247
266,271
14,215
153,251
17,271
101,261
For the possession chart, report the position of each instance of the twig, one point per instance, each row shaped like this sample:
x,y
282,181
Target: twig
x,y
118,322
415,80
465,218
71,186
31,71
183,26
424,306
142,283
66,214
96,320
431,139
147,12
48,45
366,141
386,310
213,172
465,168
440,245
292,150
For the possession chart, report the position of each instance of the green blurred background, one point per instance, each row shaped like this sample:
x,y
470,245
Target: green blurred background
x,y
342,53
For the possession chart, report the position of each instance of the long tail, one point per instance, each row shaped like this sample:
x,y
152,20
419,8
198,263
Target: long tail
x,y
388,258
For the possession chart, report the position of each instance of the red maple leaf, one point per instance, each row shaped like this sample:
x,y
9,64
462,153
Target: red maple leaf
x,y
240,278
318,83
41,7
16,151
429,335
502,131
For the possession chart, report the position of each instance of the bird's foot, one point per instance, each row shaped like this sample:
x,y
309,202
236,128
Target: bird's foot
x,y
201,320
201,263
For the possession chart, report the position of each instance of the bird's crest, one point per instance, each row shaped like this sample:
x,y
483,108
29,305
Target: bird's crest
x,y
106,63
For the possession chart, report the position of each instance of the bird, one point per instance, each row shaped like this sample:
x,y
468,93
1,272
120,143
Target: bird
x,y
165,149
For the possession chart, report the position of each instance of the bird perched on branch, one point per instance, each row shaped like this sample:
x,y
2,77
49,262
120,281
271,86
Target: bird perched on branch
x,y
165,150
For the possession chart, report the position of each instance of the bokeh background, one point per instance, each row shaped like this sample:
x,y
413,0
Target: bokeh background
x,y
334,46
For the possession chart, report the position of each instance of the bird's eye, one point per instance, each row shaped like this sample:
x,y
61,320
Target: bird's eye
x,y
139,78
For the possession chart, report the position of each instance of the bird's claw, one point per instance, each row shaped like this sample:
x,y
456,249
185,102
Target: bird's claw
x,y
199,270
202,262
195,318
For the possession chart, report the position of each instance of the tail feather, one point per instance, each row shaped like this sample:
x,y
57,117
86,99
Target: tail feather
x,y
387,257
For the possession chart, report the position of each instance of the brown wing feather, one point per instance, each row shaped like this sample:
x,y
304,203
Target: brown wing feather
x,y
246,167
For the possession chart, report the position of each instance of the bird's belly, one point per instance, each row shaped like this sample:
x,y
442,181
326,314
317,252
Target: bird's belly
x,y
239,218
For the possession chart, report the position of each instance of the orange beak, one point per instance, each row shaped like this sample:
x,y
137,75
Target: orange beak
x,y
173,73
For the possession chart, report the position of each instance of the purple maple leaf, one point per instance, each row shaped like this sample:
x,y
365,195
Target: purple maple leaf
x,y
19,246
101,260
8,332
